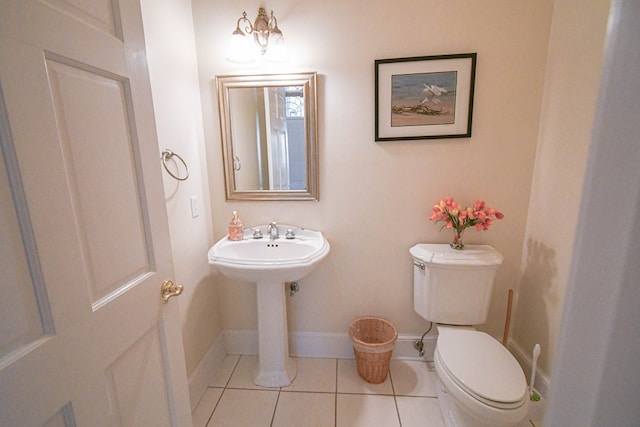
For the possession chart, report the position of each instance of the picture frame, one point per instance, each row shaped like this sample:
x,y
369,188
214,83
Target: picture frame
x,y
425,97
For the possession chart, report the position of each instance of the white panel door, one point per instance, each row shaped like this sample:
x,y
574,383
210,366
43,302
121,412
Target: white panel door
x,y
85,339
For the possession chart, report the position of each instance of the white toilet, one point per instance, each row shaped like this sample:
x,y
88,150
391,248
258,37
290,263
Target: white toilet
x,y
481,383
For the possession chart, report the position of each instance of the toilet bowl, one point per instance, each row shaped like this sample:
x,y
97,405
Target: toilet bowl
x,y
480,382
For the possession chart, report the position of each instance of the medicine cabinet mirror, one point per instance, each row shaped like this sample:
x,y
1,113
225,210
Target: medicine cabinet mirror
x,y
269,136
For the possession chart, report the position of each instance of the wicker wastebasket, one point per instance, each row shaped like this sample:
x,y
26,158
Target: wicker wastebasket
x,y
373,339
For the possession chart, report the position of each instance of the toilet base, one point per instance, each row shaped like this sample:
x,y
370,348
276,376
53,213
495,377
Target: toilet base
x,y
454,415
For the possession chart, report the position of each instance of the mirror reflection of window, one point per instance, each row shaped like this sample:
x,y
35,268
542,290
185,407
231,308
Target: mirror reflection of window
x,y
294,107
294,98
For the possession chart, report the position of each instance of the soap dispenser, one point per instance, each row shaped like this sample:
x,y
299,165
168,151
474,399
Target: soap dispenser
x,y
235,227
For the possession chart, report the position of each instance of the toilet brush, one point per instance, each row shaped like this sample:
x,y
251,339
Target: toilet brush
x,y
532,393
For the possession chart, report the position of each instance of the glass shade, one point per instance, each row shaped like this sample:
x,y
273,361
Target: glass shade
x,y
276,51
241,48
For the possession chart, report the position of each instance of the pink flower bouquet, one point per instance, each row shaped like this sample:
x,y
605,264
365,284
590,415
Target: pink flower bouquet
x,y
458,218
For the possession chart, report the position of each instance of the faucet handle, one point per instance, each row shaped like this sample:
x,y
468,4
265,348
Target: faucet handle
x,y
290,234
257,233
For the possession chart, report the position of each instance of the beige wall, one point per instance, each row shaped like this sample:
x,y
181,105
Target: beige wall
x,y
571,86
375,198
174,82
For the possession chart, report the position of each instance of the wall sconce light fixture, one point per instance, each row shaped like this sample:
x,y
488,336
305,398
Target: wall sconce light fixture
x,y
267,38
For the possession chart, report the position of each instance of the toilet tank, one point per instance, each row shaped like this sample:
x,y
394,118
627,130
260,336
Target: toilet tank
x,y
453,286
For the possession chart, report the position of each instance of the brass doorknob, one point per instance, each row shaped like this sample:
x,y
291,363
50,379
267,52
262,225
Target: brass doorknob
x,y
169,289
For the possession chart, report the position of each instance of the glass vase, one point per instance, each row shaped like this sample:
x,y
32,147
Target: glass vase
x,y
457,240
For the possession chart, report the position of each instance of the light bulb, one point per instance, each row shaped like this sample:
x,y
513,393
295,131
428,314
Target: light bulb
x,y
240,48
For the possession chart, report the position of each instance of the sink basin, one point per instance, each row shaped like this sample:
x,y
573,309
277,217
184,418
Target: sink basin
x,y
271,264
280,260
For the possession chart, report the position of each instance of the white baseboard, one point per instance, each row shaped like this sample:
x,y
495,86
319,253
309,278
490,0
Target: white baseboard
x,y
326,345
205,371
241,341
319,344
524,359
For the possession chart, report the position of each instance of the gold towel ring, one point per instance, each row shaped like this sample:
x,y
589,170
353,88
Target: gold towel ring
x,y
166,155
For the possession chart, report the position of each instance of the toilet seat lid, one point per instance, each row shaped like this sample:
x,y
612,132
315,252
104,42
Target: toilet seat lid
x,y
482,367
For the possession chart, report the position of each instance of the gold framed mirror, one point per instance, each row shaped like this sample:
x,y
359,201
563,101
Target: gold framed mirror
x,y
269,136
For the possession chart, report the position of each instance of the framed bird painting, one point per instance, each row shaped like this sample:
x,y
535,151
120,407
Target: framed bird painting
x,y
424,97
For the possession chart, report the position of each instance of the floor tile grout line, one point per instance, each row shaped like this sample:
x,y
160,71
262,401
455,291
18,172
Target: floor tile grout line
x,y
350,393
335,398
418,396
235,366
215,407
224,389
336,376
356,393
307,391
257,389
275,408
395,401
359,393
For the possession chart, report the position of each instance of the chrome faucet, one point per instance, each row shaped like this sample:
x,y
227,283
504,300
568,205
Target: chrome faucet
x,y
272,229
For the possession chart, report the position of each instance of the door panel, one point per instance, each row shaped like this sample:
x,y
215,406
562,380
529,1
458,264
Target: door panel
x,y
64,418
25,317
97,14
93,111
85,338
137,384
277,138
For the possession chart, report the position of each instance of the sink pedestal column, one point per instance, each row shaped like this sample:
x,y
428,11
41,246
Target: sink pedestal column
x,y
275,367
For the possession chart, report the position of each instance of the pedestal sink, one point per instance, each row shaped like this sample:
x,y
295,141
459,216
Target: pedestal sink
x,y
271,263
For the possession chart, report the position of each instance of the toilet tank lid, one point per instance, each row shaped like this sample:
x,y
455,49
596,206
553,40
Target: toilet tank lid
x,y
433,253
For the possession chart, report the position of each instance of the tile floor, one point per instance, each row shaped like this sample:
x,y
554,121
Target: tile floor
x,y
326,392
